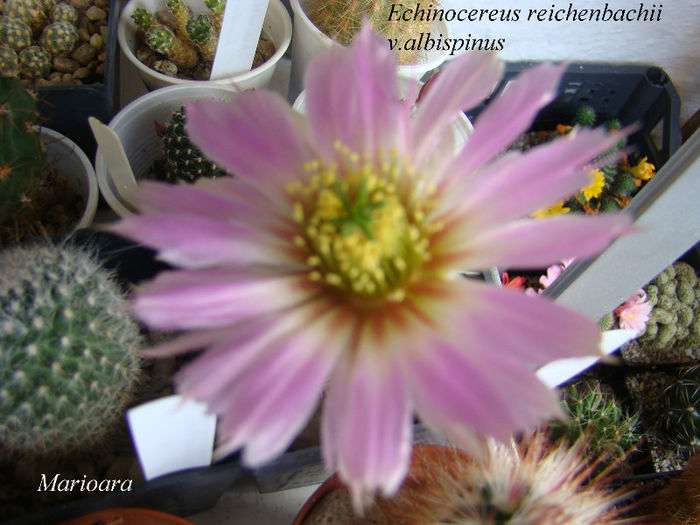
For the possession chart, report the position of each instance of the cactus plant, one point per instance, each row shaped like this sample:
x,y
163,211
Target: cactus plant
x,y
182,13
162,40
216,9
67,351
610,429
34,62
682,402
14,33
9,62
22,155
32,12
144,18
183,160
200,30
59,38
64,11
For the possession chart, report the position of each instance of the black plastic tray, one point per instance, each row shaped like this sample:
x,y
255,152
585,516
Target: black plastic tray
x,y
67,108
641,95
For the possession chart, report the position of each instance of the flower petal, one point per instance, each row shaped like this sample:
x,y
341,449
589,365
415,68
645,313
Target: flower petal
x,y
213,297
257,135
507,116
366,427
534,243
462,84
351,96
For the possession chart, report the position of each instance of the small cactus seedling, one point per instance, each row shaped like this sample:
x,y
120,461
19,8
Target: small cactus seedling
x,y
144,18
162,40
32,12
22,155
183,160
34,62
182,13
200,31
682,402
216,8
67,351
64,11
14,33
9,62
59,38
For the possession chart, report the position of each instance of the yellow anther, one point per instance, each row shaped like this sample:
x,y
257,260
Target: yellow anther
x,y
315,276
313,260
334,279
298,212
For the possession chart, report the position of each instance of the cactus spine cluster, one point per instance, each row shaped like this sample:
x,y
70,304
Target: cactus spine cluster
x,y
675,317
67,351
22,155
682,403
183,160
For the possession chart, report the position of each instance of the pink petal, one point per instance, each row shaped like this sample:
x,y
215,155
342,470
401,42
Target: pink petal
x,y
257,135
215,297
479,389
366,429
462,84
351,96
521,183
534,243
508,116
196,241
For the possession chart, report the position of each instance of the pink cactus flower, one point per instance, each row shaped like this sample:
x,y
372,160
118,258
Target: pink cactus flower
x,y
332,262
633,314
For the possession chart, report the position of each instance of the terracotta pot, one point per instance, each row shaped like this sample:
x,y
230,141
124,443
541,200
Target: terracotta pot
x,y
128,516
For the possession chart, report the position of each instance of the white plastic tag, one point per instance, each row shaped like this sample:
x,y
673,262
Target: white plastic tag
x,y
560,371
240,32
171,434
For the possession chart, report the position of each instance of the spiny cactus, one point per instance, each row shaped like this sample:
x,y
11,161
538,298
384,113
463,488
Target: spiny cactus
x,y
9,62
67,351
183,160
32,12
34,62
609,429
64,11
682,403
200,30
59,38
22,155
675,317
14,33
162,40
144,18
342,19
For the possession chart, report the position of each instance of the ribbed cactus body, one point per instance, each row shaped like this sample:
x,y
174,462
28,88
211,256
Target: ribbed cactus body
x,y
34,62
143,18
182,13
67,351
682,401
32,12
14,33
200,30
64,11
183,160
22,155
59,38
162,40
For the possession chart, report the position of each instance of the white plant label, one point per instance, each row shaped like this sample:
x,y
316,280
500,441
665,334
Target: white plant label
x,y
240,32
171,434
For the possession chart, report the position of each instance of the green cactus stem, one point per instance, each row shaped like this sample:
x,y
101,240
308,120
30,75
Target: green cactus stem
x,y
59,38
682,402
14,33
34,62
163,41
32,12
64,11
200,30
68,364
216,8
143,18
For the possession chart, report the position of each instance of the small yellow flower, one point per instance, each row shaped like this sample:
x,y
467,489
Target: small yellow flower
x,y
555,209
595,187
643,170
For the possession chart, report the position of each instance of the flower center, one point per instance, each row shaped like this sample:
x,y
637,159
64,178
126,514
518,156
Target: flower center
x,y
364,230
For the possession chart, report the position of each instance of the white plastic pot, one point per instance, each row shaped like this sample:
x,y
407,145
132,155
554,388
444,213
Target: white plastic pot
x,y
135,126
63,154
309,41
277,26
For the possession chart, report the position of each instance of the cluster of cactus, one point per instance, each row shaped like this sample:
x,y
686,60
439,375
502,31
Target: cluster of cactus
x,y
682,406
182,43
68,361
183,161
609,429
22,155
675,318
342,19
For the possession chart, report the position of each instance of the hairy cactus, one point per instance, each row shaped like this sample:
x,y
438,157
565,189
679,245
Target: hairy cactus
x,y
585,116
67,351
14,33
200,30
675,317
162,40
682,402
609,429
183,160
22,155
34,62
59,38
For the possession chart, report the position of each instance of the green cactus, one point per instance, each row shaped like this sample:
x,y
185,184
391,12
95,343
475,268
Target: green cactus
x,y
64,11
183,160
9,62
34,62
182,13
59,38
675,317
68,364
682,402
14,33
22,155
162,40
143,18
610,429
200,30
585,116
216,8
32,12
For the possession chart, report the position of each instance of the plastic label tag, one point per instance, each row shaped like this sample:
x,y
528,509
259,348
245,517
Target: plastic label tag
x,y
238,39
171,434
